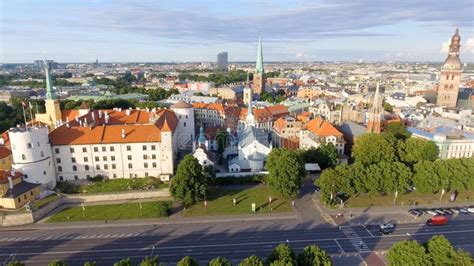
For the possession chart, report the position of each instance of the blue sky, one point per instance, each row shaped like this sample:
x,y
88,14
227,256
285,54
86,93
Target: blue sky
x,y
192,30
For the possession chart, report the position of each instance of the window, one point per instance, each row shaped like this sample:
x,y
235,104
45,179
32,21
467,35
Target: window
x,y
130,166
96,149
88,176
104,149
19,199
112,158
44,172
38,143
114,175
129,148
145,165
106,167
29,146
153,147
114,166
96,158
145,156
153,156
71,150
58,160
23,157
146,174
42,153
84,149
86,167
154,165
112,148
144,147
76,177
74,168
184,124
60,169
104,158
86,159
73,159
97,167
61,178
129,157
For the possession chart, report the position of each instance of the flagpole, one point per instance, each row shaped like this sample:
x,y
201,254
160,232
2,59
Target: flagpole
x,y
31,112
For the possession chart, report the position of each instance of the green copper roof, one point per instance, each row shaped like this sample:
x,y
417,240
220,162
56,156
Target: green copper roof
x,y
259,66
50,94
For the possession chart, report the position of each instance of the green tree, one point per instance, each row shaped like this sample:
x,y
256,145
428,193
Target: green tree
x,y
373,148
150,261
325,155
333,181
90,263
252,261
387,107
426,178
219,261
124,262
314,255
282,254
398,130
15,263
189,184
408,252
285,171
441,251
57,263
414,150
463,258
188,261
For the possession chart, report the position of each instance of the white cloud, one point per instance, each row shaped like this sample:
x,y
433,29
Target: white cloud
x,y
469,46
445,46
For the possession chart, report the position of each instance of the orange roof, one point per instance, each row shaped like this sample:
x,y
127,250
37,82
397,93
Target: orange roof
x,y
279,123
322,128
101,133
210,106
278,109
69,114
5,174
4,152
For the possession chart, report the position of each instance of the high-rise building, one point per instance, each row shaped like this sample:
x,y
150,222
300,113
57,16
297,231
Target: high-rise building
x,y
222,60
40,64
259,76
450,78
374,123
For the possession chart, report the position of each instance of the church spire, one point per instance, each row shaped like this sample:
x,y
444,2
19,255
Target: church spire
x,y
50,94
250,121
259,65
374,123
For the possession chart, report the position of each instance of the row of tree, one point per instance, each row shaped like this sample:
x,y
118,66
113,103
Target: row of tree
x,y
437,251
282,254
219,77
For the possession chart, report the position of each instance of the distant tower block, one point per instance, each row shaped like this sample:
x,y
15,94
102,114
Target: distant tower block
x,y
450,78
185,131
374,123
259,76
32,155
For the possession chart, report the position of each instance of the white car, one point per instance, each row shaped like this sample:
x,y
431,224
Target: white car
x,y
464,210
471,209
432,212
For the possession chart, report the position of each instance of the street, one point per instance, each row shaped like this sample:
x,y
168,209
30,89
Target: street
x,y
106,244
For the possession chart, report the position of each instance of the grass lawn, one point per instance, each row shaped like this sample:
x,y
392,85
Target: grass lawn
x,y
364,200
39,203
123,184
220,202
154,209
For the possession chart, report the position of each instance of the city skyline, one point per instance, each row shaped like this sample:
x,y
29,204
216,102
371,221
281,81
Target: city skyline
x,y
185,31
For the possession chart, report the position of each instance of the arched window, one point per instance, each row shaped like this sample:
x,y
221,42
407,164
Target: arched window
x,y
60,168
42,154
23,157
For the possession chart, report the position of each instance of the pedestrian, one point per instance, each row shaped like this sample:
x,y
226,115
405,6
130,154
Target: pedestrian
x,y
361,244
105,221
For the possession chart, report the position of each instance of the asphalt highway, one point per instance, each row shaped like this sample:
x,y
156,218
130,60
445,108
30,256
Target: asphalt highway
x,y
38,245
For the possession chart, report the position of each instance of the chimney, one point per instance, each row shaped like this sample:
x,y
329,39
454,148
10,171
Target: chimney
x,y
85,122
10,182
127,112
100,114
67,125
106,119
123,133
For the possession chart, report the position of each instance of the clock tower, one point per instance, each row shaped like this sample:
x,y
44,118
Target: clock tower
x,y
450,77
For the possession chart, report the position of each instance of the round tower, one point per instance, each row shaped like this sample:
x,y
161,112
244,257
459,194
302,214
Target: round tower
x,y
185,130
31,152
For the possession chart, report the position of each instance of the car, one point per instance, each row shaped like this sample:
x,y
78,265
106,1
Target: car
x,y
463,210
387,228
439,211
415,212
437,220
454,210
447,212
470,209
432,212
317,189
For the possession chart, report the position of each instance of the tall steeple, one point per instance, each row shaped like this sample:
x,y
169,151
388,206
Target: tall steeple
x,y
450,78
50,94
374,123
259,75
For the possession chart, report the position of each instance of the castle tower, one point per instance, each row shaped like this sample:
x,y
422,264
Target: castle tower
x,y
374,124
32,155
259,76
53,110
450,77
185,131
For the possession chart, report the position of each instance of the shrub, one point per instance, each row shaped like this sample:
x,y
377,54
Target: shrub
x,y
68,187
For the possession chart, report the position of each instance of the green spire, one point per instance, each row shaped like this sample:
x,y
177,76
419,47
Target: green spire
x,y
50,94
259,66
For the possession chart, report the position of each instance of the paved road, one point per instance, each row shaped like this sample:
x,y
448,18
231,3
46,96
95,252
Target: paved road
x,y
106,244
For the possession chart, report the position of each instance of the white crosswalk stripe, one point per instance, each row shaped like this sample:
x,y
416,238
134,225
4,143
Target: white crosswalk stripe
x,y
354,238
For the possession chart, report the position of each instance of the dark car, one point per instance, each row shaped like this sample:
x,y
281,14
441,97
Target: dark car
x,y
387,228
415,212
447,212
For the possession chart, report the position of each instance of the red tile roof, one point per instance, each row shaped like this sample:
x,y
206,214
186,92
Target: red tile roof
x,y
322,128
5,174
4,152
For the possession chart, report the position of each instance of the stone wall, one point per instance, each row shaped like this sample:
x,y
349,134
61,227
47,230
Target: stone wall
x,y
75,198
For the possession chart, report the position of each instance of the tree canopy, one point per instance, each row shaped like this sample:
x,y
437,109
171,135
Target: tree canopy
x,y
314,255
373,148
219,261
325,155
252,261
282,254
189,183
408,252
188,261
285,171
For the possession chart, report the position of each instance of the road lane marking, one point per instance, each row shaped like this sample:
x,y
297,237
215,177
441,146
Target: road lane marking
x,y
340,247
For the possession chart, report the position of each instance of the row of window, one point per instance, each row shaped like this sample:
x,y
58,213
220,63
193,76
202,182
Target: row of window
x,y
106,167
61,178
104,148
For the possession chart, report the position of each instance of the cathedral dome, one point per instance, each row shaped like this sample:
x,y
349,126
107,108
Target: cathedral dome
x,y
452,63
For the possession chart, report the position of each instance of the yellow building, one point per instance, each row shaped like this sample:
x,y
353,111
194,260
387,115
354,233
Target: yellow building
x,y
14,192
5,159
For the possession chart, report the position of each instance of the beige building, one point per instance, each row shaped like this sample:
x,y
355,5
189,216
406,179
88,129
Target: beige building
x,y
14,192
308,92
286,131
5,159
224,93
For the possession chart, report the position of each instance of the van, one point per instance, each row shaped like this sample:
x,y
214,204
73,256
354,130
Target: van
x,y
437,220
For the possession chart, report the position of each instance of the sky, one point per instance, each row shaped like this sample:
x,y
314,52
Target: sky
x,y
193,30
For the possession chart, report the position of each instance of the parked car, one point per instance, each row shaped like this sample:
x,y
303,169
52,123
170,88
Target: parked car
x,y
463,210
387,228
439,211
415,212
447,212
437,220
470,209
454,210
432,212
